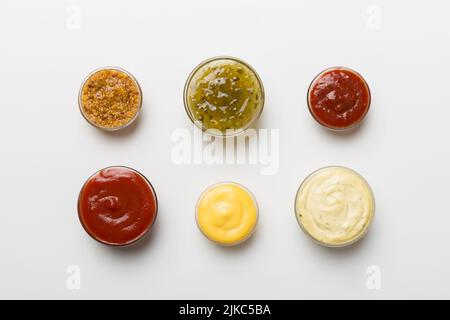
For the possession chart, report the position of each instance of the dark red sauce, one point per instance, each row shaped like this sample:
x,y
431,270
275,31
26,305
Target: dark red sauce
x,y
117,206
339,98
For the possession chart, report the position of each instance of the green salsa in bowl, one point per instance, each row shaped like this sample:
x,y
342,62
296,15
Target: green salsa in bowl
x,y
224,96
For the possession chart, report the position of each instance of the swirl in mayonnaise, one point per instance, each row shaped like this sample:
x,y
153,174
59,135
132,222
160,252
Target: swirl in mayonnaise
x,y
335,206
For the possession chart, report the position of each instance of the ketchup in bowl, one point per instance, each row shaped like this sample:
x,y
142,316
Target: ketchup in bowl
x,y
339,98
117,206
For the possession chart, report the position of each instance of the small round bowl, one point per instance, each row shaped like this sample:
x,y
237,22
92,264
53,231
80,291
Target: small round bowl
x,y
351,241
216,132
85,116
254,202
332,128
147,230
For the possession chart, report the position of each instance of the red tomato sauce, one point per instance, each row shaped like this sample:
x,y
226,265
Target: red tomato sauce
x,y
339,98
117,206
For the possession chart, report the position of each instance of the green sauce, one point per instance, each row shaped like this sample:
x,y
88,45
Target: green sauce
x,y
224,94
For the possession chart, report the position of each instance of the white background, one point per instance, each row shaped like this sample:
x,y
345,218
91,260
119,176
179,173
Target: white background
x,y
48,150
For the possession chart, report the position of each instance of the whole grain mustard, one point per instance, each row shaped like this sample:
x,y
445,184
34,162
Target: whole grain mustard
x,y
110,98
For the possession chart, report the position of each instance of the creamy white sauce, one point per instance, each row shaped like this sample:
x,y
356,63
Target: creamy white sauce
x,y
335,205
